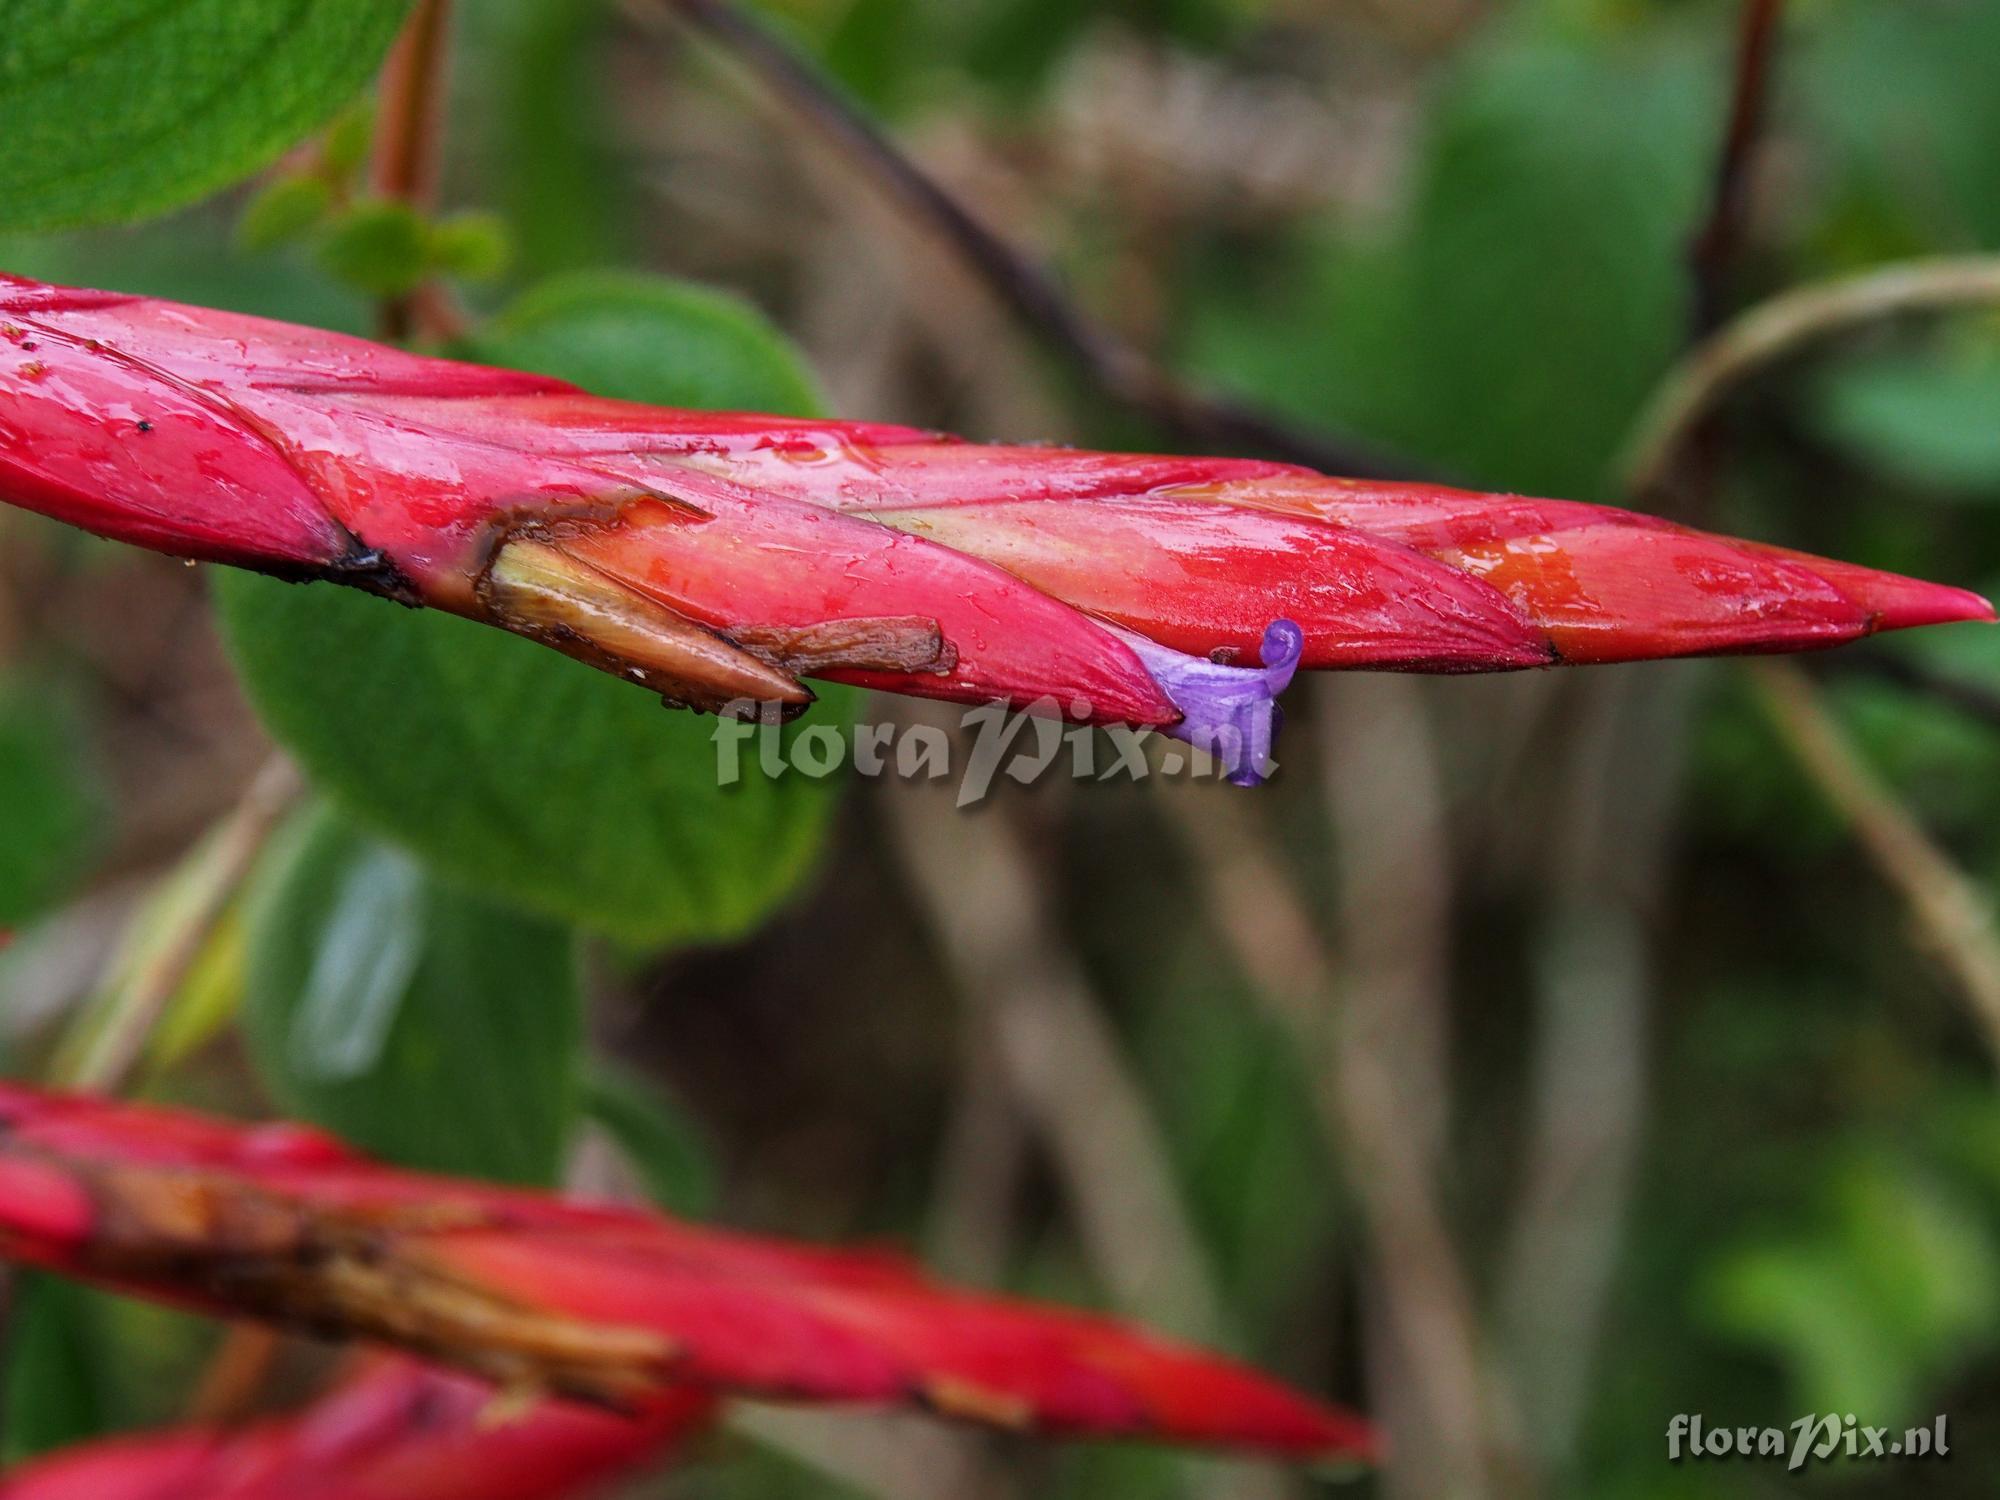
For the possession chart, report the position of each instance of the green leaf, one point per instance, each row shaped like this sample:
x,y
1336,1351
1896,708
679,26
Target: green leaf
x,y
646,338
343,149
474,246
425,1024
50,1393
282,212
514,768
116,109
518,770
871,47
1932,420
379,247
664,1146
51,807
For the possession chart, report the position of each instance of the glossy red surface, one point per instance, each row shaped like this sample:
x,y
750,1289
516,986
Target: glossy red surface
x,y
732,1312
395,1431
220,436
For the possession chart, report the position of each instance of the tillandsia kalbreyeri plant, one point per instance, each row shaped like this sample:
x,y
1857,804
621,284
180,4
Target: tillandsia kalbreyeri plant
x,y
719,559
616,1306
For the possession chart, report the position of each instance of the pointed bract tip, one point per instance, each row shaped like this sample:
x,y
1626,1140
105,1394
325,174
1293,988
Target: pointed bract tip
x,y
1905,603
1231,712
1891,601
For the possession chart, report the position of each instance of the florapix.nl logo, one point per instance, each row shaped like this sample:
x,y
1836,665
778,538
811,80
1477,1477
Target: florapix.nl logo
x,y
1815,1438
1045,739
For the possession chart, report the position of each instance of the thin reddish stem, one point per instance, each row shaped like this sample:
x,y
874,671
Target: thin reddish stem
x,y
1718,245
409,143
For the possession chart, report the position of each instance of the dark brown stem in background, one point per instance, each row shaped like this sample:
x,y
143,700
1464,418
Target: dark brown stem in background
x,y
409,133
1786,327
1715,249
1106,361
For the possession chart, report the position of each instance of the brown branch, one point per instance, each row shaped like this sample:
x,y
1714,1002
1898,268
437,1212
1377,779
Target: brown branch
x,y
1715,249
1783,328
889,1457
1951,910
984,1155
1105,360
1948,908
1371,1033
1946,905
1256,906
409,125
1593,982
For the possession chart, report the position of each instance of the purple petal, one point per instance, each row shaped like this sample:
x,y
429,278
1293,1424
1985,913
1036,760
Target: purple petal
x,y
1231,712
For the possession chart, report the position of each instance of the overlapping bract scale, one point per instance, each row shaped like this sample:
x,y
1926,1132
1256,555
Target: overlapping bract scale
x,y
601,1303
394,1430
720,559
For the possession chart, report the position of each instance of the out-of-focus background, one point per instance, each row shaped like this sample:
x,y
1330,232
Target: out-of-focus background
x,y
1534,1060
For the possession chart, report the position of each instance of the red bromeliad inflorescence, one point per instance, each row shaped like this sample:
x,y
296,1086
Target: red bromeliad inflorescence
x,y
720,558
596,1302
395,1430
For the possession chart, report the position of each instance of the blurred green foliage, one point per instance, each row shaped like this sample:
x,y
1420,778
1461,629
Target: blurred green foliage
x,y
611,332
608,816
81,1361
546,116
1530,293
424,1024
896,54
53,1388
1875,1300
52,807
378,247
284,210
1927,418
657,1137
